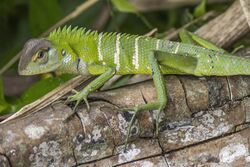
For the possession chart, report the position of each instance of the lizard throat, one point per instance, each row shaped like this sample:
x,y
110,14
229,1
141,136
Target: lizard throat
x,y
71,66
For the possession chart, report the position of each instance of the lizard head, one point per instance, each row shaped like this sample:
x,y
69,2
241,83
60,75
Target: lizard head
x,y
38,56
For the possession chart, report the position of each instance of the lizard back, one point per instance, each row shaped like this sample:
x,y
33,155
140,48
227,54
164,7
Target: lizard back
x,y
128,54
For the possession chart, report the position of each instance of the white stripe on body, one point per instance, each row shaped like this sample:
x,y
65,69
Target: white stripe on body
x,y
177,48
117,52
136,54
100,56
157,44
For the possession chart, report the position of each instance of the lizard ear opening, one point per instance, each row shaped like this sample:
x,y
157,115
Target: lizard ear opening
x,y
185,64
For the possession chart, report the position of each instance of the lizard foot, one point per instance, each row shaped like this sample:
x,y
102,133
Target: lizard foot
x,y
131,122
77,97
137,110
157,121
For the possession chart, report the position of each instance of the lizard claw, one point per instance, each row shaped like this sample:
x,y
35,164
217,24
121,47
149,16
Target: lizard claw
x,y
87,103
71,98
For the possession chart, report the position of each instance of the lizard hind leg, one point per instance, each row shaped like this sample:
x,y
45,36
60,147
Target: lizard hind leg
x,y
160,86
161,102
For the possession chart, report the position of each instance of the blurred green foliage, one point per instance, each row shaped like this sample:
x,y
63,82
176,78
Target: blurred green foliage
x,y
200,9
43,14
24,19
45,85
3,104
124,6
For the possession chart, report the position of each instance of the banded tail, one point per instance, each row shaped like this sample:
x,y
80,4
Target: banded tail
x,y
195,60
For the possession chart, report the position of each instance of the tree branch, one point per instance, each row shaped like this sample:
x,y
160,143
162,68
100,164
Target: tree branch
x,y
226,28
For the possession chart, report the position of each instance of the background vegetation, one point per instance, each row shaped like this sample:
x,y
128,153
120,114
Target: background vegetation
x,y
24,19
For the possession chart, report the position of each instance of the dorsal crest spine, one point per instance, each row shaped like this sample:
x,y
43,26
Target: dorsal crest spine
x,y
76,34
67,33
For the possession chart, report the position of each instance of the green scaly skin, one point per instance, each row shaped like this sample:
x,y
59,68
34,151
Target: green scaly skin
x,y
106,54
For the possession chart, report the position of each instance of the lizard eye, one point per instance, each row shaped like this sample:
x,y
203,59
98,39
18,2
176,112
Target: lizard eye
x,y
41,56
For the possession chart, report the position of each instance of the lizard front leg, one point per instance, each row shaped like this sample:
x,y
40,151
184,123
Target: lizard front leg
x,y
106,74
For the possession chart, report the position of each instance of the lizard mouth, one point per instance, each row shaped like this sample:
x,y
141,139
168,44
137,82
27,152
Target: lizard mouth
x,y
40,70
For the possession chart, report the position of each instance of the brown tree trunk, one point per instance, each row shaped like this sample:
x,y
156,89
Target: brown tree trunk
x,y
206,122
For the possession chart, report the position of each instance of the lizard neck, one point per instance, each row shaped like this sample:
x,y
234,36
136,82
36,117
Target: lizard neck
x,y
79,43
73,66
77,47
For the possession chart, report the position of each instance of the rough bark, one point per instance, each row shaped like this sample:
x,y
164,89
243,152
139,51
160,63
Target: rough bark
x,y
245,4
206,123
200,122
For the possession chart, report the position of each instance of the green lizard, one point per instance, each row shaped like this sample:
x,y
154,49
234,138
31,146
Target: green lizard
x,y
84,52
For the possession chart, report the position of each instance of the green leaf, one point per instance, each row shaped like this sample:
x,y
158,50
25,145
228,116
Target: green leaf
x,y
127,7
40,88
3,104
205,43
200,9
124,6
43,14
186,37
121,81
35,92
237,48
